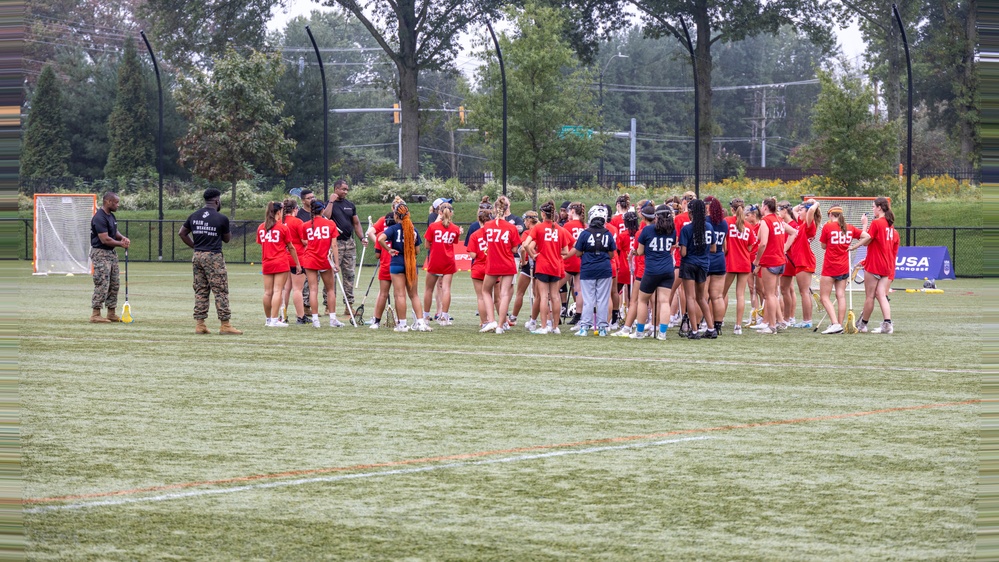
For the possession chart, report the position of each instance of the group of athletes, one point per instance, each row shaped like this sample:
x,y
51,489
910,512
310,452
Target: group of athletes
x,y
632,271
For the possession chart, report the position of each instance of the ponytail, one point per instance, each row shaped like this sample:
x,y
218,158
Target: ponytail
x,y
739,212
409,243
885,205
289,208
771,204
502,207
631,222
697,219
548,211
445,212
270,216
664,224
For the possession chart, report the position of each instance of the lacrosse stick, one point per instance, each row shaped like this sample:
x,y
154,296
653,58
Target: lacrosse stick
x,y
295,192
126,311
359,313
851,321
818,302
357,280
343,289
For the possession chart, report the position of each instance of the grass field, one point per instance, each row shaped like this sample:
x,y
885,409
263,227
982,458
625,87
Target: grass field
x,y
144,441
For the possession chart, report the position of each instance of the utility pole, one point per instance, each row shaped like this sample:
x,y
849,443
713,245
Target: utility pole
x,y
766,106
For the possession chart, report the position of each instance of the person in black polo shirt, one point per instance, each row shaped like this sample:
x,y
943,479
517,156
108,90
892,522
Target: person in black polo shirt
x,y
210,229
104,238
344,214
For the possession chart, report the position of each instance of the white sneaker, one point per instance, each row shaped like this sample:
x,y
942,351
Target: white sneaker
x,y
833,329
790,322
334,323
884,328
760,326
276,323
316,323
582,332
737,331
422,326
614,326
500,330
373,326
623,332
531,325
661,336
401,328
862,328
766,330
488,327
556,331
636,335
542,331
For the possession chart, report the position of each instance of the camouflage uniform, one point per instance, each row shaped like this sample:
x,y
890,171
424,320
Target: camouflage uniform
x,y
105,278
210,276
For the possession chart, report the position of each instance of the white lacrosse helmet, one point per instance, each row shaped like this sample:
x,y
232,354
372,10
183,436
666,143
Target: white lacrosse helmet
x,y
597,211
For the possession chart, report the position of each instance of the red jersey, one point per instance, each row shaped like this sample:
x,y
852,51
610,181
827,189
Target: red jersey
x,y
739,258
477,243
384,259
572,264
801,249
274,248
549,239
883,249
320,232
623,242
296,234
773,254
836,260
440,244
617,221
639,259
679,221
501,239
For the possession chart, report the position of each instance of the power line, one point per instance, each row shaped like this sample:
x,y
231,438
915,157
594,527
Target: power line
x,y
655,89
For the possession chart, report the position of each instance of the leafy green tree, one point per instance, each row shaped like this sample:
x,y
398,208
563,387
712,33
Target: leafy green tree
x,y
235,125
45,152
547,90
852,144
417,35
131,142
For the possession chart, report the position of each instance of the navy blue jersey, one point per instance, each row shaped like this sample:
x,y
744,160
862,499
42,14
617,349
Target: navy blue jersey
x,y
658,250
718,256
596,247
697,256
471,228
396,239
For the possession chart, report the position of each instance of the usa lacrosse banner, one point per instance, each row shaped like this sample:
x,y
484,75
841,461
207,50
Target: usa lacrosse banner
x,y
918,262
461,257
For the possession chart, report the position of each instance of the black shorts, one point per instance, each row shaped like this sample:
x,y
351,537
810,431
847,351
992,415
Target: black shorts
x,y
693,272
843,277
651,282
545,278
717,271
525,270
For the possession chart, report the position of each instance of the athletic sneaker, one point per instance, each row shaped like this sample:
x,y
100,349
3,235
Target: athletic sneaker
x,y
543,331
500,330
623,332
602,332
401,328
614,325
781,327
276,323
315,323
862,328
760,326
884,328
488,327
790,322
694,335
334,323
302,321
636,335
422,326
674,320
511,320
803,324
556,331
711,334
582,332
737,331
531,325
833,329
661,336
374,326
575,319
766,330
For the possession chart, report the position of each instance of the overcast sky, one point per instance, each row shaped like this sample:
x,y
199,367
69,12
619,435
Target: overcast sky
x,y
848,38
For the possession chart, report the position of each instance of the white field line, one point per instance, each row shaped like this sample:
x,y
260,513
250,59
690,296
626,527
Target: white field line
x,y
453,351
359,475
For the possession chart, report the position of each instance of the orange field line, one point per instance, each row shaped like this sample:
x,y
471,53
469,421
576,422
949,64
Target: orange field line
x,y
465,456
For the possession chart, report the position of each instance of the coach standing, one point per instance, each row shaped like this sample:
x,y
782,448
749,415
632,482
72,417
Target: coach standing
x,y
344,214
210,229
104,238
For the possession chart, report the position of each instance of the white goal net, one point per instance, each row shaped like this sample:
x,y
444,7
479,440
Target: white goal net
x,y
62,233
853,211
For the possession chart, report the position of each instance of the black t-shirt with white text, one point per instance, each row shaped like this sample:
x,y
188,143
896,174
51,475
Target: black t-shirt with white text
x,y
343,214
207,227
103,222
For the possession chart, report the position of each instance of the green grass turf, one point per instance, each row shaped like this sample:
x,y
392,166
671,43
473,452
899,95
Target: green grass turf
x,y
116,407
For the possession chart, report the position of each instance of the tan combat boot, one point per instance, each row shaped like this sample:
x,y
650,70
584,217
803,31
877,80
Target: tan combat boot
x,y
112,317
200,328
227,328
96,317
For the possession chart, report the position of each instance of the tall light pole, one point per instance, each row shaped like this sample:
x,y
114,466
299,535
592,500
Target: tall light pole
x,y
326,120
499,55
602,71
159,137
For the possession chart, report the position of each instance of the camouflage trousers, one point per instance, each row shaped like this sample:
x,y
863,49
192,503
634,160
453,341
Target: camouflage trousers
x,y
348,258
210,276
105,278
